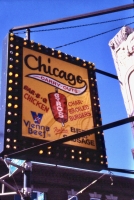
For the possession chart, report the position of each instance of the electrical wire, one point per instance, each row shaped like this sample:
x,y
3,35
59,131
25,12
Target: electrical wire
x,y
81,40
81,191
77,26
90,37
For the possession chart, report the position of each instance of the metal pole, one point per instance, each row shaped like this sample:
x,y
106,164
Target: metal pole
x,y
8,193
5,176
3,188
8,185
28,34
26,190
82,134
77,17
106,74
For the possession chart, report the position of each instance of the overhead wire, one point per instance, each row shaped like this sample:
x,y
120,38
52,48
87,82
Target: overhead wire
x,y
81,191
76,26
82,25
81,40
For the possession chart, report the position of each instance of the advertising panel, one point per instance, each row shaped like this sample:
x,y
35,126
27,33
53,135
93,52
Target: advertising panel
x,y
56,99
49,96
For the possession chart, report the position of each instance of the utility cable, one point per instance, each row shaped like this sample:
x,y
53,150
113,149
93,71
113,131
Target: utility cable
x,y
81,191
77,26
90,37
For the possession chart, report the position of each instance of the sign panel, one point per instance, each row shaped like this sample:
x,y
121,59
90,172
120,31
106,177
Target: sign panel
x,y
51,95
56,99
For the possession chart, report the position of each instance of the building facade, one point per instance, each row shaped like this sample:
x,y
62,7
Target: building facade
x,y
60,183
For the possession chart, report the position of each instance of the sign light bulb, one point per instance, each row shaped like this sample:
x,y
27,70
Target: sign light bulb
x,y
16,75
17,54
15,106
8,121
10,81
11,45
72,157
41,152
10,73
9,89
9,97
9,113
11,38
9,104
11,34
17,47
10,66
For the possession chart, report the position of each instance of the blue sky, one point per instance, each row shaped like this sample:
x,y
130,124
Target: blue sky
x,y
119,141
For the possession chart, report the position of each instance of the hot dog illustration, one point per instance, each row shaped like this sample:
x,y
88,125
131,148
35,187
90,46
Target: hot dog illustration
x,y
58,104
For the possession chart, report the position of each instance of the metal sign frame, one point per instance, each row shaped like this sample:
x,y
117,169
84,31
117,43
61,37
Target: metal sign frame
x,y
14,141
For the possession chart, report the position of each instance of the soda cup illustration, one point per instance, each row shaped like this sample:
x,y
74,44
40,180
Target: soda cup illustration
x,y
58,104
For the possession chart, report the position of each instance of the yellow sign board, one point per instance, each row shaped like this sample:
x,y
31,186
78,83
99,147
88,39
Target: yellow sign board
x,y
56,99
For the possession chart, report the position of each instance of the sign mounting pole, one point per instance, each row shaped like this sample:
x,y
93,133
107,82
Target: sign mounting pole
x,y
76,17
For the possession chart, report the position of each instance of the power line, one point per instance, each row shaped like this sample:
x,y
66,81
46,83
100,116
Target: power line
x,y
90,37
77,26
83,25
81,191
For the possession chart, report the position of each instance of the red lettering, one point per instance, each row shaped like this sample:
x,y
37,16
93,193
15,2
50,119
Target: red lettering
x,y
79,116
35,102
